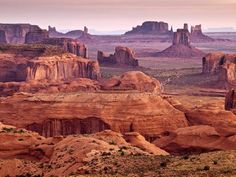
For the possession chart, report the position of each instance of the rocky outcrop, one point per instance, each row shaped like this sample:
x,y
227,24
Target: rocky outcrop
x,y
65,67
39,62
194,139
230,100
3,39
118,111
150,27
16,33
197,35
181,47
123,56
133,80
37,36
69,45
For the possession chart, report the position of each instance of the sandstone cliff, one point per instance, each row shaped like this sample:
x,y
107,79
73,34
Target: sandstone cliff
x,y
122,56
2,37
150,27
36,36
65,67
69,45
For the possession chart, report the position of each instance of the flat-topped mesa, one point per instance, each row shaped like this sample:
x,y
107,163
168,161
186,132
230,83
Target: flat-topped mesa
x,y
181,47
69,45
198,36
3,39
123,56
16,33
62,68
150,27
37,36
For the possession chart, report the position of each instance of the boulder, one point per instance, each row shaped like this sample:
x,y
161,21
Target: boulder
x,y
133,80
150,27
123,56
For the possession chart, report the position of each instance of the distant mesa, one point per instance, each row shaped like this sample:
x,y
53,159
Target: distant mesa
x,y
82,35
181,47
21,33
151,27
3,39
123,56
197,36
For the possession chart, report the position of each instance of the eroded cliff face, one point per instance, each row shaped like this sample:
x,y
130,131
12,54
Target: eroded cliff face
x,y
36,36
3,39
16,33
69,45
122,56
198,36
65,67
56,127
53,114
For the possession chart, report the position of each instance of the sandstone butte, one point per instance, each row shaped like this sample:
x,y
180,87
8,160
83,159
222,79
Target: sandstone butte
x,y
181,47
197,36
223,65
123,56
33,154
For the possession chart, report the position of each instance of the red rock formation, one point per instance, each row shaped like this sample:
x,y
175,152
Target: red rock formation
x,y
181,47
150,27
133,80
36,36
230,100
122,56
198,36
2,37
106,110
194,139
16,33
58,68
69,45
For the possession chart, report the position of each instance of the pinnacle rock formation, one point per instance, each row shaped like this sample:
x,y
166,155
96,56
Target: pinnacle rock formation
x,y
123,56
150,27
69,45
197,35
16,33
181,47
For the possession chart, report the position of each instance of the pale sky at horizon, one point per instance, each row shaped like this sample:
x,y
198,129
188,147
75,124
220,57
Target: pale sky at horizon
x,y
110,15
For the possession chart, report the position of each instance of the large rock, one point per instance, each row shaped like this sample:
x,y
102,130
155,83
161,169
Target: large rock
x,y
2,37
194,139
65,67
230,100
69,45
197,35
16,33
133,80
122,56
150,27
181,47
83,113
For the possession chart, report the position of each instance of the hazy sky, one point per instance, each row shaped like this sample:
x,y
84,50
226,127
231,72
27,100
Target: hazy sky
x,y
118,14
